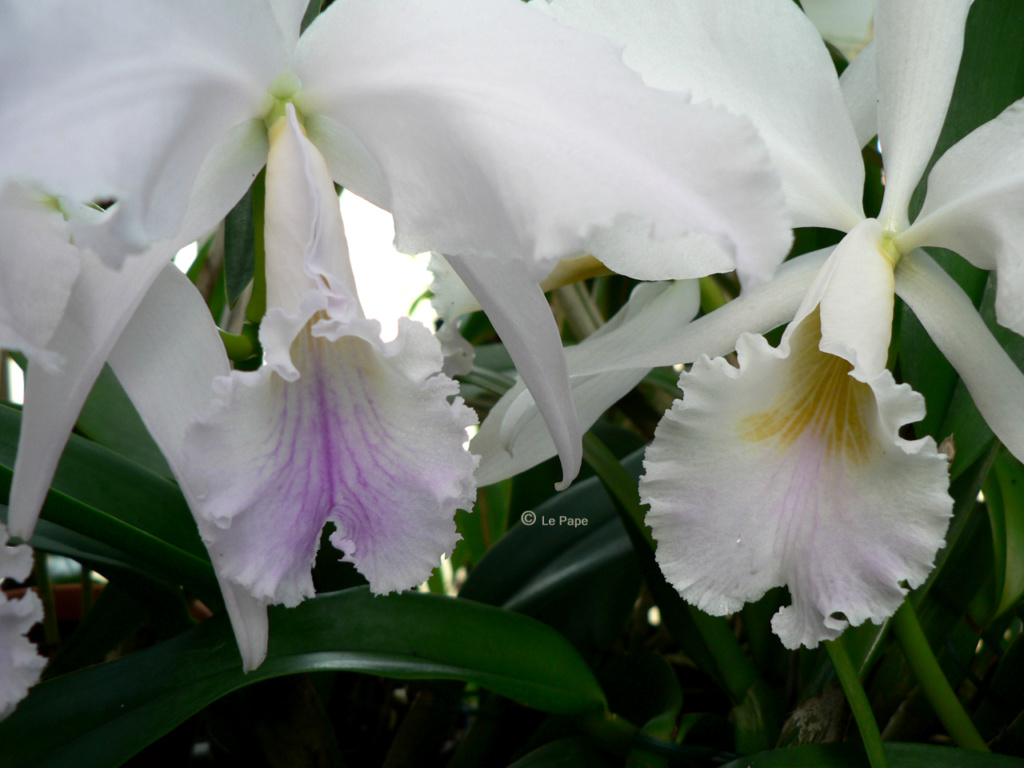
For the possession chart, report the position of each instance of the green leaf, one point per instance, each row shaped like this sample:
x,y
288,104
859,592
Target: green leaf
x,y
1004,499
109,418
564,753
573,568
851,755
139,519
102,715
239,244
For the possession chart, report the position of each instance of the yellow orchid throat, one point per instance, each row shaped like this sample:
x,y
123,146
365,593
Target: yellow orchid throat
x,y
822,400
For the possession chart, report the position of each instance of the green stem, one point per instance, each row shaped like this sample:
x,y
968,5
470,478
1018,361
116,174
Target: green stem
x,y
617,480
51,632
580,309
711,295
241,346
859,704
736,669
933,682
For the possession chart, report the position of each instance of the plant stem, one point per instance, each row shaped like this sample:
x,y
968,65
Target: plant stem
x,y
51,632
933,682
858,700
736,669
580,310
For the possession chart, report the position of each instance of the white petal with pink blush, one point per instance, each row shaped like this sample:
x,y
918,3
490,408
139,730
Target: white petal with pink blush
x,y
787,471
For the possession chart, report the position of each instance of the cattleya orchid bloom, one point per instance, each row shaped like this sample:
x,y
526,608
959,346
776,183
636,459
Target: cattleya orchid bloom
x,y
446,115
835,505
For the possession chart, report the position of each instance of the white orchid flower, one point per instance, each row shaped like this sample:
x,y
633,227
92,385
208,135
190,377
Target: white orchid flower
x,y
832,502
490,132
20,661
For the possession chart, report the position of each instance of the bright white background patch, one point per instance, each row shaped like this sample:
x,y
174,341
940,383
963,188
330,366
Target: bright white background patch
x,y
388,281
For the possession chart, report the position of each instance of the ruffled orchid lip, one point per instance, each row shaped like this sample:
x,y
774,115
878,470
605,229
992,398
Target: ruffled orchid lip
x,y
834,504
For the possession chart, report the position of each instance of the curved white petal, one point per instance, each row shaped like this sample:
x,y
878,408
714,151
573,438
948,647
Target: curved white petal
x,y
520,314
364,438
859,82
167,359
995,383
918,46
755,311
761,59
832,502
20,662
289,15
38,267
653,312
974,202
227,173
98,309
488,129
855,294
123,100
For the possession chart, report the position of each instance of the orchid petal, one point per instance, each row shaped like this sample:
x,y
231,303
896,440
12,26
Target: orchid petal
x,y
20,662
363,438
975,193
856,323
224,177
174,77
289,15
833,503
761,59
488,129
98,309
167,360
859,82
996,384
520,314
716,333
918,46
653,311
38,267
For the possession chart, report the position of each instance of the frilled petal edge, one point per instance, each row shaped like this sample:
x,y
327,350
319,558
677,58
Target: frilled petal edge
x,y
364,438
20,662
833,503
489,129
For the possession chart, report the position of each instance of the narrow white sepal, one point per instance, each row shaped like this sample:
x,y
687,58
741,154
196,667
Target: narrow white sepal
x,y
654,312
859,82
918,44
99,307
996,384
974,202
520,314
